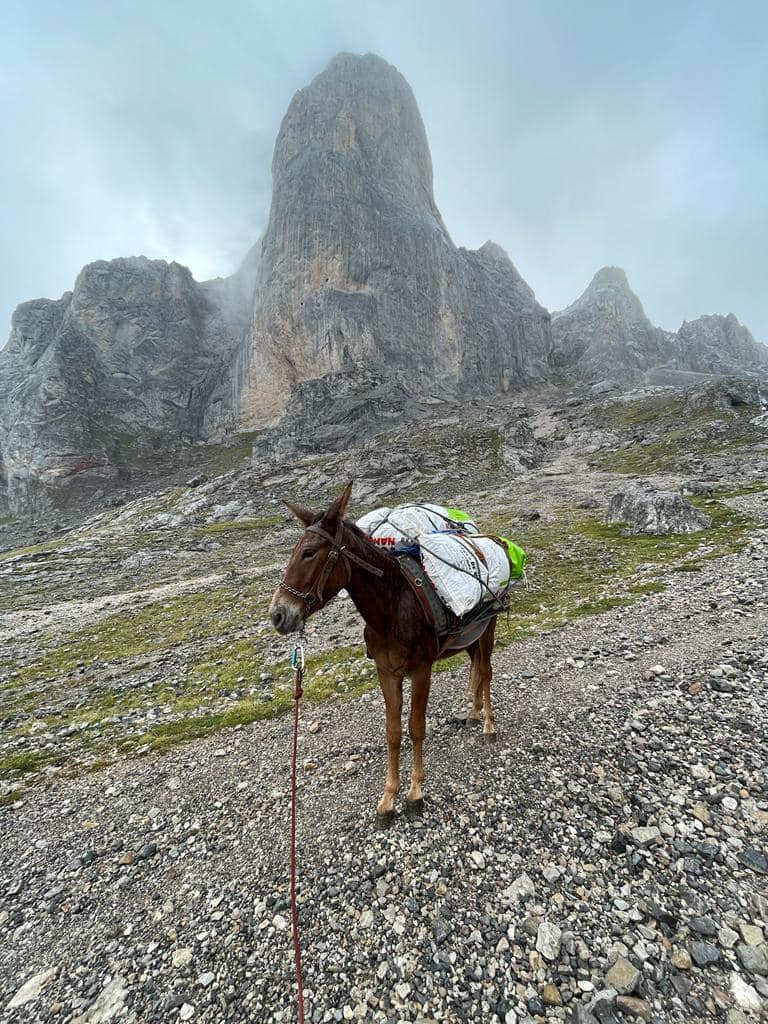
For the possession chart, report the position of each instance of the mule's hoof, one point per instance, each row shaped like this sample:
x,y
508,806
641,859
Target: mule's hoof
x,y
414,808
384,819
465,719
489,737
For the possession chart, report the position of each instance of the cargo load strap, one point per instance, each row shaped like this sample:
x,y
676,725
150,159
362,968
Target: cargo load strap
x,y
453,633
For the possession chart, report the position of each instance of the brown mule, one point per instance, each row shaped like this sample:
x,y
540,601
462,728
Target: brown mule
x,y
332,555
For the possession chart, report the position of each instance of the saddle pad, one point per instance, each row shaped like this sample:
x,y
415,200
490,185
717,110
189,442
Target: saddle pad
x,y
441,617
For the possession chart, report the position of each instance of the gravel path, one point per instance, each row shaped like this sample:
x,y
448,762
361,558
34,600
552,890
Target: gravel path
x,y
605,860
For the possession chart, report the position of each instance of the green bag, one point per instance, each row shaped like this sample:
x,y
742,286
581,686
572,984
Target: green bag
x,y
516,557
458,516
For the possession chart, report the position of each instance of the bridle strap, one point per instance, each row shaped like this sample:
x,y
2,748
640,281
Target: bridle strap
x,y
330,562
338,550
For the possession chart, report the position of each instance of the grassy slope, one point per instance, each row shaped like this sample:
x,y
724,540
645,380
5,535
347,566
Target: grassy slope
x,y
186,653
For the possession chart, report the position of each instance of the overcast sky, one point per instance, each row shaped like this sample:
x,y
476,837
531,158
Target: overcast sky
x,y
575,134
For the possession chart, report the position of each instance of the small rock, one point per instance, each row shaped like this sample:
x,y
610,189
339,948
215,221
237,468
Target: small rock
x,y
681,959
752,959
703,926
548,938
108,1005
701,813
551,872
645,835
704,953
535,1006
634,1007
521,889
744,995
206,979
32,988
187,1011
752,935
623,976
754,860
550,995
181,957
727,937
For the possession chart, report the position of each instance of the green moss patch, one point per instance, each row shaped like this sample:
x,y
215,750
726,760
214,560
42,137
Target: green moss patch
x,y
580,566
233,526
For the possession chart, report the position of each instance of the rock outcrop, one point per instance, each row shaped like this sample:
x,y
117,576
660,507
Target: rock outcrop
x,y
356,274
357,268
655,513
606,334
136,358
719,344
354,308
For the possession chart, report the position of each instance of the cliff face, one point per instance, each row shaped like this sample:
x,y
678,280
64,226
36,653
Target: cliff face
x,y
357,268
605,333
137,353
356,272
719,344
354,306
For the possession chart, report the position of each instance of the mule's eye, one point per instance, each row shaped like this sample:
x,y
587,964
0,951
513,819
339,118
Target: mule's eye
x,y
308,553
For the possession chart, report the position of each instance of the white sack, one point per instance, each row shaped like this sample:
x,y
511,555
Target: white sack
x,y
388,526
372,520
460,576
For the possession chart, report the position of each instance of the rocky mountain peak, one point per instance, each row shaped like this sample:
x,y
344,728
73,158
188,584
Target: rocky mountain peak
x,y
357,268
609,277
719,344
609,291
356,124
605,332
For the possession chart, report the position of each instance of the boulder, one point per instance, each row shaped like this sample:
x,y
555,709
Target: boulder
x,y
655,513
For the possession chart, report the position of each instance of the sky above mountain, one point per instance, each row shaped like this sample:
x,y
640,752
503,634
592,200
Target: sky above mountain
x,y
574,135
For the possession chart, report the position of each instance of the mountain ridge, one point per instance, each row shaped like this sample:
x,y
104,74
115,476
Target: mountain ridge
x,y
355,276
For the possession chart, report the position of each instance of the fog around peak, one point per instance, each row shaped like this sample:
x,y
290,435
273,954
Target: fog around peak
x,y
574,136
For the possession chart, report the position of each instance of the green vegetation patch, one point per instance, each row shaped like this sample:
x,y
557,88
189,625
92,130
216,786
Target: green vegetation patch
x,y
580,566
233,526
682,432
153,628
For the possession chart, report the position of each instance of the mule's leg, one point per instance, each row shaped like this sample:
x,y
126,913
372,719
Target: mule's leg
x,y
392,688
417,727
485,669
475,713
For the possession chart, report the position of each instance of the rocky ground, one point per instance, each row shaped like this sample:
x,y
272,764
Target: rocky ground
x,y
605,860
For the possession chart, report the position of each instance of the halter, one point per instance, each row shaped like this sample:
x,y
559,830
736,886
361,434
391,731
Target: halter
x,y
315,594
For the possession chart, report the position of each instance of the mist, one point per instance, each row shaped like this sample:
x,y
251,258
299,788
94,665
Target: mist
x,y
575,136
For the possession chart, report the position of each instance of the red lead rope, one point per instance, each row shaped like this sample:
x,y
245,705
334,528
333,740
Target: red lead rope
x,y
298,662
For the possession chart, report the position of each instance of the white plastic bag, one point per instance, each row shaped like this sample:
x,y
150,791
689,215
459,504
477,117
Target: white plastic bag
x,y
461,577
389,526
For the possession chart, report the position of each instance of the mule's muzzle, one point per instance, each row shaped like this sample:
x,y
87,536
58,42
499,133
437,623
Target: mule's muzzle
x,y
286,618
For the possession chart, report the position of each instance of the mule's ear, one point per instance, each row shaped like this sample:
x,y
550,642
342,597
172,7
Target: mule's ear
x,y
338,509
302,514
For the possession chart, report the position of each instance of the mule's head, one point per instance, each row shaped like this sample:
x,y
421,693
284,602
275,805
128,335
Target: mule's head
x,y
315,572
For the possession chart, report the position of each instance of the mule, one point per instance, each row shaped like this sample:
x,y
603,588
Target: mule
x,y
333,555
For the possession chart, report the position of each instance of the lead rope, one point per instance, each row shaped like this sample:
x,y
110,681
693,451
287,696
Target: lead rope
x,y
297,662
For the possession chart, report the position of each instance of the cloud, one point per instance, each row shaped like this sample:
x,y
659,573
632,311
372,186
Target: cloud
x,y
574,135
